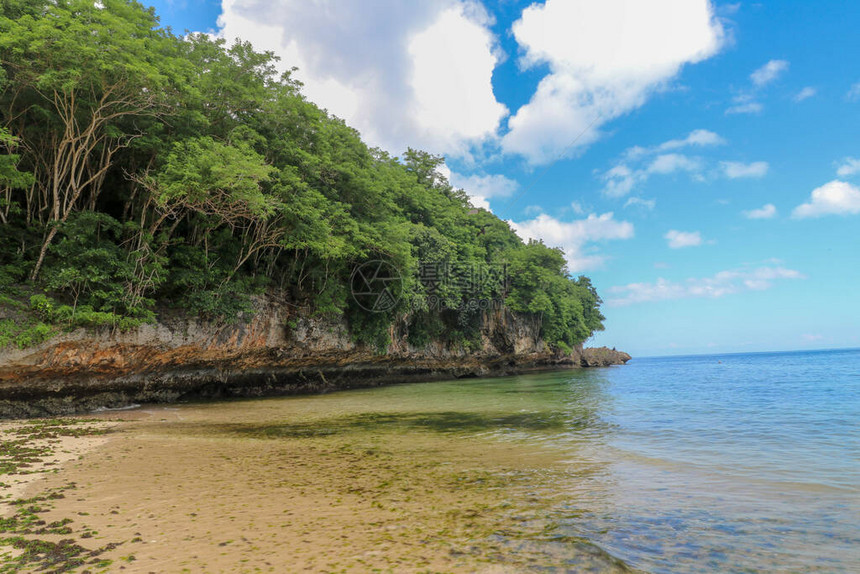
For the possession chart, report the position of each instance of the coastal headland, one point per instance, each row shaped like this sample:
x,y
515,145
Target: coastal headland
x,y
275,350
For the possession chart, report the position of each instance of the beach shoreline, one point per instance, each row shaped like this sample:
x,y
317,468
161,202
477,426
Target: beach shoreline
x,y
267,353
209,488
66,385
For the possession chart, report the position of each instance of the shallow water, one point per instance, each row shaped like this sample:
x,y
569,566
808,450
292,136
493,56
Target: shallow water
x,y
742,463
731,463
734,463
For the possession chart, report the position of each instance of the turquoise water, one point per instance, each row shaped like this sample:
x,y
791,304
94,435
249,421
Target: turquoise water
x,y
732,463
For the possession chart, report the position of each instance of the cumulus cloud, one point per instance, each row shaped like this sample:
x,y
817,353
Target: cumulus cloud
x,y
805,94
848,167
736,169
769,72
853,92
605,59
457,180
679,239
833,198
481,188
495,185
453,62
765,212
386,67
576,237
722,284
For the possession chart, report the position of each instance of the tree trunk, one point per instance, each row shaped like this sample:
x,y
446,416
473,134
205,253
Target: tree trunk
x,y
42,252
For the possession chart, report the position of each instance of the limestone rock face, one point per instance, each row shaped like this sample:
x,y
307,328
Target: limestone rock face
x,y
279,349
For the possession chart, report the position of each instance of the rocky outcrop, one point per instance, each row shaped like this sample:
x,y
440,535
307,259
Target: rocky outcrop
x,y
279,349
603,357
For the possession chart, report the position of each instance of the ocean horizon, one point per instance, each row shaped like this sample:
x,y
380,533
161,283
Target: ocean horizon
x,y
734,353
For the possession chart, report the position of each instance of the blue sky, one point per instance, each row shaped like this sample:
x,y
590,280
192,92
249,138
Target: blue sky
x,y
700,161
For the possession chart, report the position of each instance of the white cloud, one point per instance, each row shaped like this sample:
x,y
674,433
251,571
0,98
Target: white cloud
x,y
810,337
696,138
729,9
480,202
833,198
641,163
442,170
722,284
765,212
745,107
644,203
805,94
402,73
605,59
769,72
848,167
495,185
679,239
621,179
575,237
735,169
853,92
481,188
457,180
453,62
746,102
672,162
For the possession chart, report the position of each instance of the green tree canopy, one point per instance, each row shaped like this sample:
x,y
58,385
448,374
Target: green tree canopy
x,y
141,170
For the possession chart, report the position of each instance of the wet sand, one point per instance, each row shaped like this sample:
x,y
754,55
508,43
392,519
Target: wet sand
x,y
282,486
49,453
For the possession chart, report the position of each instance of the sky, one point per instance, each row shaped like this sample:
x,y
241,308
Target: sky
x,y
700,161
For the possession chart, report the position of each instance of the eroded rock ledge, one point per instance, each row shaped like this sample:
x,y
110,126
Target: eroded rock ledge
x,y
277,350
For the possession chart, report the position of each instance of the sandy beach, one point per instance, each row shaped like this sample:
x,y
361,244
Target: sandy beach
x,y
234,487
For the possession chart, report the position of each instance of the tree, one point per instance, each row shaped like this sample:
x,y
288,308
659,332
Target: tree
x,y
78,74
222,185
566,309
10,177
591,302
137,166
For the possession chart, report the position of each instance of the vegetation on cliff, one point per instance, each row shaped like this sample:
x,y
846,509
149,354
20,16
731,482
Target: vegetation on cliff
x,y
141,170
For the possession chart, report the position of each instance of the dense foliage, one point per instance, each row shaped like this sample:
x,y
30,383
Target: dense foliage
x,y
140,170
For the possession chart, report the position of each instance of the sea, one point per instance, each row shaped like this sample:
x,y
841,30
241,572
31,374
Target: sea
x,y
728,463
720,463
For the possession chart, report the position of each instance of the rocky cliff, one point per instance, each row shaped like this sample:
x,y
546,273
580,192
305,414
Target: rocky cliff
x,y
276,350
